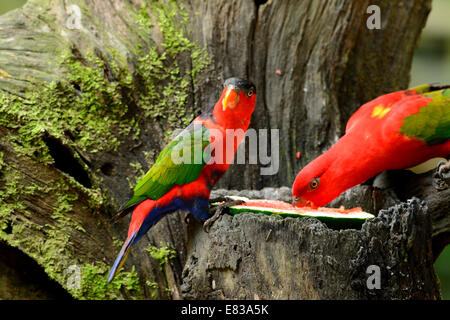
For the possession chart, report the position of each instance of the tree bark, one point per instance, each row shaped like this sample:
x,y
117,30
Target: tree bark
x,y
92,89
296,258
251,256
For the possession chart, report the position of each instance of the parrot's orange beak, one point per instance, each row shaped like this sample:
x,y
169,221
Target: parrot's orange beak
x,y
300,202
231,99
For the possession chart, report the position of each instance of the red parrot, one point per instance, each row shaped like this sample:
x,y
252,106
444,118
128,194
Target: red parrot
x,y
398,130
171,184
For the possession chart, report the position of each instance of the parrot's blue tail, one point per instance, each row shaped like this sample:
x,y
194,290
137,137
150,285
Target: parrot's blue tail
x,y
122,256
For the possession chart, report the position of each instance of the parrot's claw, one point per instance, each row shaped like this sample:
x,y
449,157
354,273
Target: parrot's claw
x,y
441,178
219,211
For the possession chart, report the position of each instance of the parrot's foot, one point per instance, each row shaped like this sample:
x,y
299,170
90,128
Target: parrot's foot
x,y
219,210
441,178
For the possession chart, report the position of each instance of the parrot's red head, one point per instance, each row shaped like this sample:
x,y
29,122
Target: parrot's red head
x,y
335,171
311,187
237,102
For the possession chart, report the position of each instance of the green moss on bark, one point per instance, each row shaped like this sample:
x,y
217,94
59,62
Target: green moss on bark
x,y
89,110
94,285
162,254
166,86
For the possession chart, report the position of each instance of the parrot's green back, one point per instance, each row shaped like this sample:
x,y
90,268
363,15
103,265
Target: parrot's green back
x,y
180,162
432,123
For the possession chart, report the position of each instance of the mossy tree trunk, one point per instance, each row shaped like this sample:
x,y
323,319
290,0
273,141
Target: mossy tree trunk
x,y
90,91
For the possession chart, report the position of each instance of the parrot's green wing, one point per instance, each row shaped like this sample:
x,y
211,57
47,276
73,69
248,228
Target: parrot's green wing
x,y
432,123
180,162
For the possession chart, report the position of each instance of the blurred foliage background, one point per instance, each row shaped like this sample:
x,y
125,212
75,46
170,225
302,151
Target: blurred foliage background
x,y
431,64
6,5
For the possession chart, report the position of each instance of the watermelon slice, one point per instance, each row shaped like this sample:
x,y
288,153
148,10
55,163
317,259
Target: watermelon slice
x,y
334,218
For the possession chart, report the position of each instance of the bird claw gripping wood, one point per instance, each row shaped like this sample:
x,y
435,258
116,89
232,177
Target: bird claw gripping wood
x,y
218,210
441,178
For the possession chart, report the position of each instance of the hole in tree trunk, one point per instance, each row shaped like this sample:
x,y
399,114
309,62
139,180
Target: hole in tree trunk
x,y
107,169
65,161
22,278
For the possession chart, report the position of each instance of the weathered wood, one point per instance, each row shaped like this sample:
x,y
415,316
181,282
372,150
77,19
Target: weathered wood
x,y
396,186
329,63
110,110
405,185
304,259
251,256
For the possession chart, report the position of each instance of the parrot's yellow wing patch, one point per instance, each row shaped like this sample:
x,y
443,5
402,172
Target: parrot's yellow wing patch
x,y
380,111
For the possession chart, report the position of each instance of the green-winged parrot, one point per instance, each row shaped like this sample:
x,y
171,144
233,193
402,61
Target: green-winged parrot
x,y
182,176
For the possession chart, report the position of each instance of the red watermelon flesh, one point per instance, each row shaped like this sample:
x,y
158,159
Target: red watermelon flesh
x,y
281,205
339,218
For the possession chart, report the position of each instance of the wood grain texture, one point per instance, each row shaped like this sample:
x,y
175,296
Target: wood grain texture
x,y
303,259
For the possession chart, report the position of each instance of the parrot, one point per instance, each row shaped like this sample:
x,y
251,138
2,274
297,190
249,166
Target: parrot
x,y
171,184
398,130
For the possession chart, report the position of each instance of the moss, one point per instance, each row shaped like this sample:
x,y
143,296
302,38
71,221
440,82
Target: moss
x,y
93,96
162,254
49,243
94,285
154,294
79,110
138,173
143,18
56,110
89,110
9,199
166,86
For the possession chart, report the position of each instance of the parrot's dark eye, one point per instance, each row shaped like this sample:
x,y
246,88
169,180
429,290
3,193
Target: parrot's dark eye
x,y
314,184
250,92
